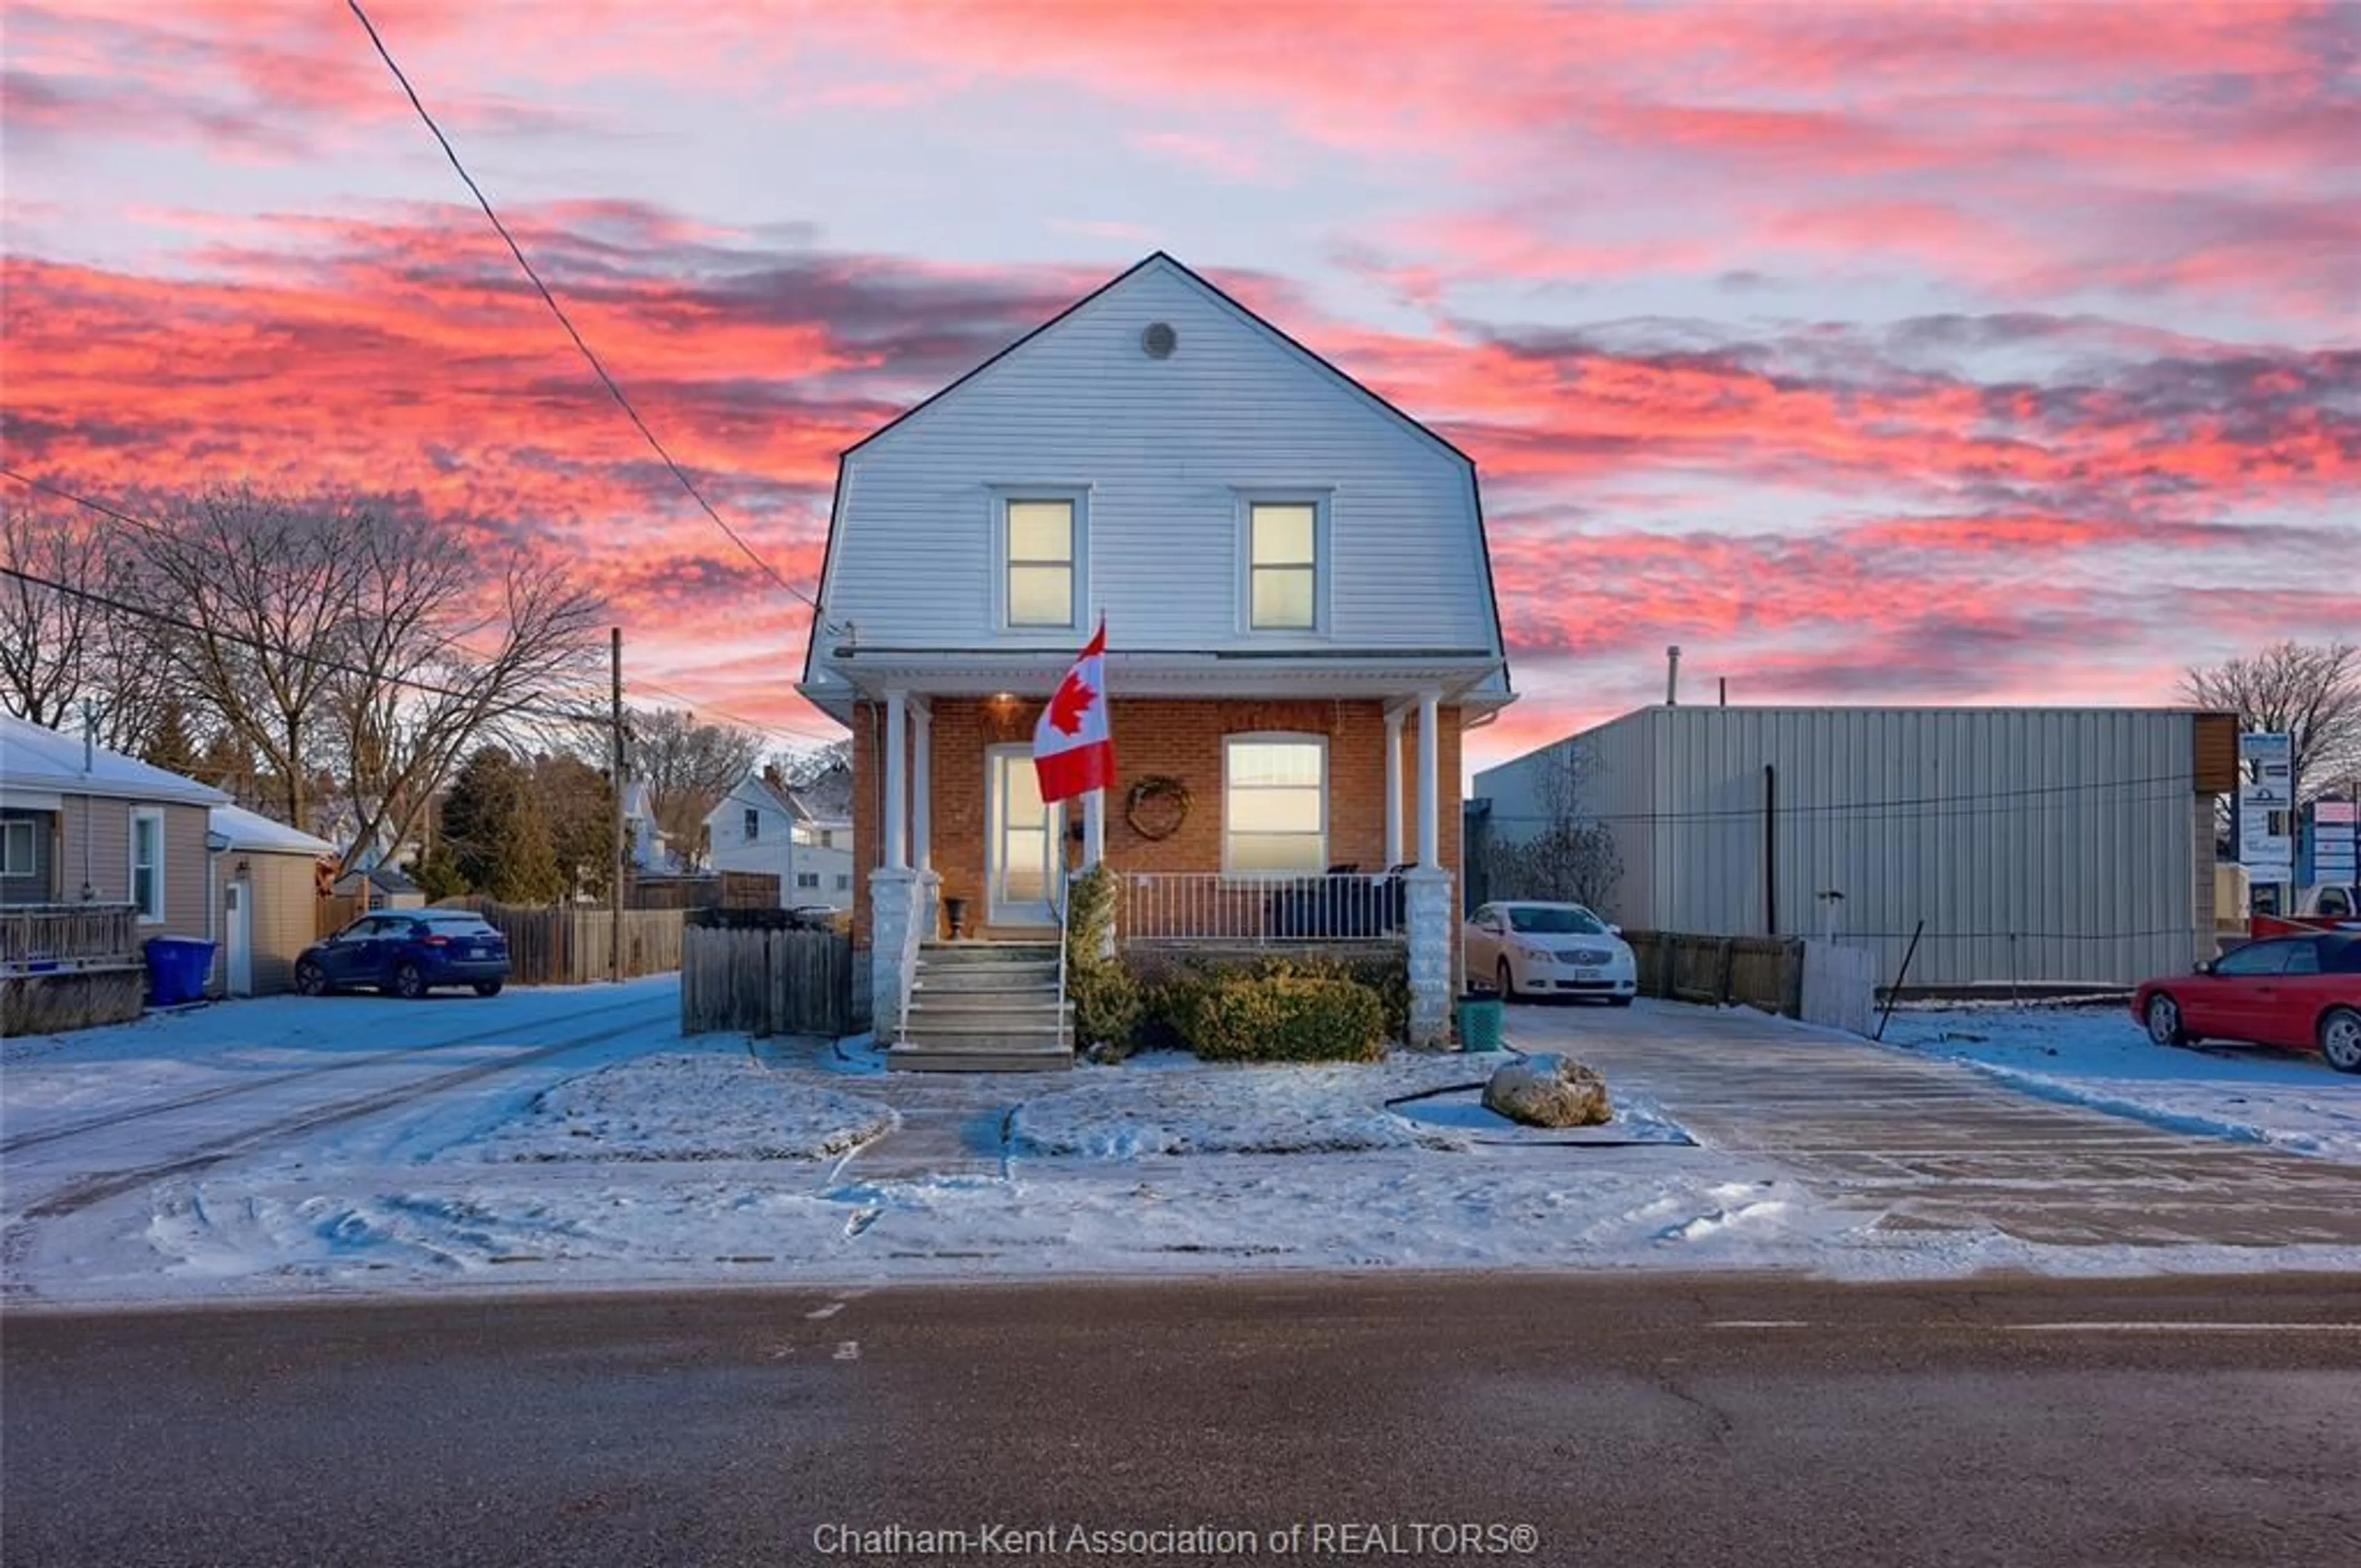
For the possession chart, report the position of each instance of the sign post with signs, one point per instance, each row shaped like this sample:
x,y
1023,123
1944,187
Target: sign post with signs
x,y
2266,807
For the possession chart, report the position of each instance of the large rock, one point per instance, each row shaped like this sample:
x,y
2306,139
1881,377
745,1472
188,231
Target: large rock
x,y
1549,1092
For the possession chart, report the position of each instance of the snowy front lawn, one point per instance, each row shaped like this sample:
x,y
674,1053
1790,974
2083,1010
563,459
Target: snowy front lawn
x,y
687,1107
1169,1104
2099,1057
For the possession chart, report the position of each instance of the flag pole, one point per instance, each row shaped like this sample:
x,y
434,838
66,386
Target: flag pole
x,y
1095,805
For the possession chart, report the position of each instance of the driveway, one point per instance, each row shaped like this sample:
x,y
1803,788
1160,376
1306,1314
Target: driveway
x,y
1937,1147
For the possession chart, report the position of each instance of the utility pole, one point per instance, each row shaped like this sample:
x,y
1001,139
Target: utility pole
x,y
615,793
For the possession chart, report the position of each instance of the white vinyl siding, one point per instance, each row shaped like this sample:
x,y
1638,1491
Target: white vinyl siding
x,y
147,864
1275,805
1283,565
1038,546
1165,448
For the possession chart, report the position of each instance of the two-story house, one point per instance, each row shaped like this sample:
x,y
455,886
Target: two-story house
x,y
752,829
1301,623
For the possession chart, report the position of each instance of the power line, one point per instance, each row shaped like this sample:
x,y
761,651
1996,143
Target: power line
x,y
614,388
582,691
410,683
740,720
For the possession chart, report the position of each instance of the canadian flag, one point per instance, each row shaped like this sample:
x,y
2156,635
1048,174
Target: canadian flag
x,y
1074,751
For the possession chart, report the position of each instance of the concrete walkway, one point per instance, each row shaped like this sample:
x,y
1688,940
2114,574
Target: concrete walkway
x,y
1929,1145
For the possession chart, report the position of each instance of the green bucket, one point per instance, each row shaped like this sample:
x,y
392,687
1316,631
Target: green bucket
x,y
1479,1023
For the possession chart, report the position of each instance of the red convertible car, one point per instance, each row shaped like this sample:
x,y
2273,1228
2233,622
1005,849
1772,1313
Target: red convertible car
x,y
2303,992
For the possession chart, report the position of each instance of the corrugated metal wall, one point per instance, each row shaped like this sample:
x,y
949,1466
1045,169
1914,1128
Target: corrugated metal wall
x,y
2039,845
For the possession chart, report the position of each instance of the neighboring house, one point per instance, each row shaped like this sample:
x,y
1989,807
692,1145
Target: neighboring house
x,y
2038,846
269,900
646,845
825,864
82,824
384,888
1301,623
765,828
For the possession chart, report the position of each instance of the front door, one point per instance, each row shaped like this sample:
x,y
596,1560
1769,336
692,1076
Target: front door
x,y
241,937
1021,848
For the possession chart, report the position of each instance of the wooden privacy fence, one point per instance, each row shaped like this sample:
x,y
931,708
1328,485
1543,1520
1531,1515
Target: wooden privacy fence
x,y
758,982
1757,971
564,945
335,911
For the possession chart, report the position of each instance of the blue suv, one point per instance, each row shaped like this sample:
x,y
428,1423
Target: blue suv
x,y
407,952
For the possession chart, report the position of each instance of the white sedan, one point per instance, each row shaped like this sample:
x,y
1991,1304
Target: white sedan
x,y
1553,950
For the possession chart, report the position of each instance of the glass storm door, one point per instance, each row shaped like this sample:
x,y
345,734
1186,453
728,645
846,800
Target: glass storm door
x,y
1021,840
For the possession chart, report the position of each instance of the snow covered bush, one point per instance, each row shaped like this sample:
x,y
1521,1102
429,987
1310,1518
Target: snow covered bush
x,y
1286,1017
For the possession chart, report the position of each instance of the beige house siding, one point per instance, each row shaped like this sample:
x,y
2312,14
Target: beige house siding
x,y
96,844
284,915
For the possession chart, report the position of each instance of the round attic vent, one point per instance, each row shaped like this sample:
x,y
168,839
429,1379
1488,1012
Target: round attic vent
x,y
1157,340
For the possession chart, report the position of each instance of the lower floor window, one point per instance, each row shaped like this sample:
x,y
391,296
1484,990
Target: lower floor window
x,y
17,847
1275,805
807,878
148,865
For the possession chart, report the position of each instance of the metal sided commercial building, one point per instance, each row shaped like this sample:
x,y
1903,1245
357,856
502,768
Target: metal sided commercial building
x,y
2039,846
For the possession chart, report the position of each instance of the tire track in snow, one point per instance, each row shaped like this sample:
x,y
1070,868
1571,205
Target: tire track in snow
x,y
35,1139
101,1186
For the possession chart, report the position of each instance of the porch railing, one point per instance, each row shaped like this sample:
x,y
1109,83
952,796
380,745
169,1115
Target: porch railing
x,y
1212,907
39,938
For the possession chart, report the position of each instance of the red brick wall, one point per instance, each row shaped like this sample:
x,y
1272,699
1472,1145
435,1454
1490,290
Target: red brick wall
x,y
1178,737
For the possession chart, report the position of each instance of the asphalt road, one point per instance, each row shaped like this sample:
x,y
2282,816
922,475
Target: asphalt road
x,y
1698,1420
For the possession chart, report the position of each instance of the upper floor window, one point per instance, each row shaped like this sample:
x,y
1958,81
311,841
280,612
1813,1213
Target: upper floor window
x,y
1275,804
147,864
753,825
1040,563
1283,565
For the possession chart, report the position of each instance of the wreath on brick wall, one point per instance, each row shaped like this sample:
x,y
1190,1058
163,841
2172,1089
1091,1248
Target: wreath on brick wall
x,y
1157,805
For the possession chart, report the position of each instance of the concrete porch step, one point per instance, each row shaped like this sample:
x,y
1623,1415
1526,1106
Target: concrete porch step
x,y
972,1056
988,1005
986,955
980,979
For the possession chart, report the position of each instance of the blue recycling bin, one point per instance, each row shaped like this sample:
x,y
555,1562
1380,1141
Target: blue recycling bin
x,y
177,967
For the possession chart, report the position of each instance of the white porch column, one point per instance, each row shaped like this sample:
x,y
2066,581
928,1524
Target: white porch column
x,y
924,915
922,785
1427,893
1430,833
897,856
894,898
1393,788
1093,829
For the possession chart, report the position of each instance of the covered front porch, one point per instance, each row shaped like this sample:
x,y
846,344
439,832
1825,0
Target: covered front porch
x,y
1268,818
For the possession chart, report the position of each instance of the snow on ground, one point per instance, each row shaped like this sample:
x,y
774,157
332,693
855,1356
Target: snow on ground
x,y
714,1159
1154,1106
2098,1056
677,1106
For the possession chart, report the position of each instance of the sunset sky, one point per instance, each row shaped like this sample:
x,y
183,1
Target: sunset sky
x,y
1872,353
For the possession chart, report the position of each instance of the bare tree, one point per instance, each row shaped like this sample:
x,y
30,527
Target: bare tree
x,y
251,596
1570,856
342,641
2311,692
802,767
688,768
61,642
413,691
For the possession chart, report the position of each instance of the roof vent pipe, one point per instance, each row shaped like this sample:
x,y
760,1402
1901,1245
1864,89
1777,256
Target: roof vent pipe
x,y
1725,691
1672,675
